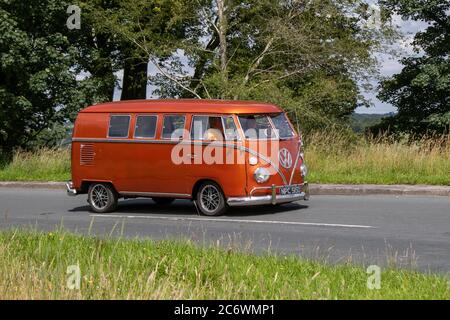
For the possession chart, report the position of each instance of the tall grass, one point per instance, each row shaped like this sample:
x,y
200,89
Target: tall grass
x,y
40,165
34,266
332,156
336,157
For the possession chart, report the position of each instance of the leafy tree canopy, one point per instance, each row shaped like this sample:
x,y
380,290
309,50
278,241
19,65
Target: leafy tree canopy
x,y
306,56
421,92
40,61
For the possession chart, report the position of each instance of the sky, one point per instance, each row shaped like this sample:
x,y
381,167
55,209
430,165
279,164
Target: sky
x,y
391,65
388,66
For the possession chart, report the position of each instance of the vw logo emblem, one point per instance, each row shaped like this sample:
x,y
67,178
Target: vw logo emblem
x,y
285,158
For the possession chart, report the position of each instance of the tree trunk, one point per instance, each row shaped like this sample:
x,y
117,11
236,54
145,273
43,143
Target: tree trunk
x,y
102,68
200,66
134,85
108,81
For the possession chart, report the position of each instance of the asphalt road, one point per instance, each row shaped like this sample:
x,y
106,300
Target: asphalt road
x,y
408,232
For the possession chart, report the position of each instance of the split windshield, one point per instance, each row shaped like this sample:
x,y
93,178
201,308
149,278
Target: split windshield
x,y
282,126
266,126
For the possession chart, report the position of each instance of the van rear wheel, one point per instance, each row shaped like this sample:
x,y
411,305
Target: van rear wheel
x,y
210,199
102,197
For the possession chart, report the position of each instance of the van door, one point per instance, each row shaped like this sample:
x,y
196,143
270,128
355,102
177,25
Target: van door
x,y
170,176
215,154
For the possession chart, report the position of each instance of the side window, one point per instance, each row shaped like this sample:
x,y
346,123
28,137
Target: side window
x,y
207,128
173,127
145,127
231,132
118,126
257,127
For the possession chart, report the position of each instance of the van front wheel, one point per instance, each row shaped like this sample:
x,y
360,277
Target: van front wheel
x,y
102,197
210,199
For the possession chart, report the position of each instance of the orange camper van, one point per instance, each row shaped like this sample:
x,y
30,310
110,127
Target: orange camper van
x,y
217,153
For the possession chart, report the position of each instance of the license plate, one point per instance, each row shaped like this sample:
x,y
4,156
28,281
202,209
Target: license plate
x,y
290,190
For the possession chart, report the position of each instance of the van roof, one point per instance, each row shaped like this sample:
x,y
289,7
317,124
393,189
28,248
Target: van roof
x,y
184,106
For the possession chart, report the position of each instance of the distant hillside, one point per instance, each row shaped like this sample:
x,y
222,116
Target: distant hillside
x,y
360,121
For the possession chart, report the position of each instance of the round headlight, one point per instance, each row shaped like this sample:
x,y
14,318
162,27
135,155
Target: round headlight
x,y
262,175
304,170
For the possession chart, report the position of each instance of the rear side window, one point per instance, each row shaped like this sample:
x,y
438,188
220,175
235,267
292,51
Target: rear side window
x,y
173,127
119,126
207,128
145,127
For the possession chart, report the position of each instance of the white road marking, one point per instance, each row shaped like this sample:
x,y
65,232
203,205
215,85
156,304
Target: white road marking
x,y
333,225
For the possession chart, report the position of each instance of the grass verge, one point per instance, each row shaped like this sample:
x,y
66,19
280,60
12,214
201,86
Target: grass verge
x,y
42,165
34,266
333,157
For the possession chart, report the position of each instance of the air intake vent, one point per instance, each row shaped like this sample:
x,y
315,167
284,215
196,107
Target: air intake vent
x,y
87,154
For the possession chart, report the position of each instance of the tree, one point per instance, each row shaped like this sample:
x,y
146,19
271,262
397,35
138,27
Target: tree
x,y
162,24
98,53
48,72
118,54
306,56
38,82
421,92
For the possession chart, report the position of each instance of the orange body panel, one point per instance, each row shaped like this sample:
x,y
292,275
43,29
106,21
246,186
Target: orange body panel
x,y
144,166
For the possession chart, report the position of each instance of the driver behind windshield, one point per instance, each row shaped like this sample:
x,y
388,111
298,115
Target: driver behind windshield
x,y
256,127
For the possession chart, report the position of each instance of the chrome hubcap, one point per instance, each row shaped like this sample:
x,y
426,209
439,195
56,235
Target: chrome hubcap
x,y
99,197
210,198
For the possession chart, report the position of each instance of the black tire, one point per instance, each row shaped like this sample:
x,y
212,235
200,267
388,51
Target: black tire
x,y
102,197
163,201
210,199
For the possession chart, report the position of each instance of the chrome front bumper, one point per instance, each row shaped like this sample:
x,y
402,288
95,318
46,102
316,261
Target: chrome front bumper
x,y
269,199
70,190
